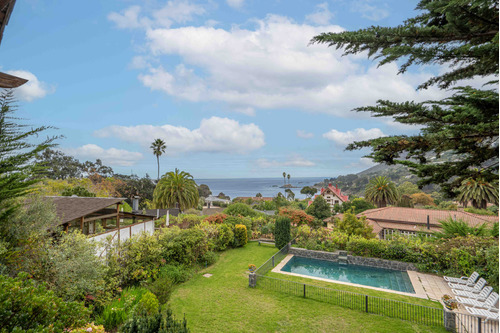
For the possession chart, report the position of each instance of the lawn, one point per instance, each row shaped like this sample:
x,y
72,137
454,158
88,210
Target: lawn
x,y
225,303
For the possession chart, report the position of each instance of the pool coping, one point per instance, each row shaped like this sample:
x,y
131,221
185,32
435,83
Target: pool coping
x,y
415,281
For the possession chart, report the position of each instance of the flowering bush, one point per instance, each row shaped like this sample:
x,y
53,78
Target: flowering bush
x,y
89,328
240,235
297,217
216,218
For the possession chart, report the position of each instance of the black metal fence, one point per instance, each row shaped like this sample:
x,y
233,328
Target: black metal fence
x,y
370,304
274,260
470,324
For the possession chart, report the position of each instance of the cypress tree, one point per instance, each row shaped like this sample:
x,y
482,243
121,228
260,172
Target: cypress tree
x,y
463,36
17,155
282,231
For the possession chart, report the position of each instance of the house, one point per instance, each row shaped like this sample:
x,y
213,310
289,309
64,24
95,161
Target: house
x,y
86,214
410,221
332,195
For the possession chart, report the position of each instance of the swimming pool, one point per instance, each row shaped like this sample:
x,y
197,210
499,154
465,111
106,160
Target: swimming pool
x,y
364,275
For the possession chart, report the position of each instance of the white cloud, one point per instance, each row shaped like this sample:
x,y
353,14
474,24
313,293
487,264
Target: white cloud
x,y
304,135
293,161
321,16
272,67
359,134
31,90
235,3
175,11
111,156
368,11
214,135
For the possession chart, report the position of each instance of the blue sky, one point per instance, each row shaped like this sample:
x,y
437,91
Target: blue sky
x,y
232,86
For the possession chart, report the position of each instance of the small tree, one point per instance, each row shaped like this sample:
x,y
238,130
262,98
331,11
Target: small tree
x,y
258,195
320,209
309,191
422,199
352,225
282,231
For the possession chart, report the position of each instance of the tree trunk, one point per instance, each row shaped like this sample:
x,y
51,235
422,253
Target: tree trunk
x,y
158,161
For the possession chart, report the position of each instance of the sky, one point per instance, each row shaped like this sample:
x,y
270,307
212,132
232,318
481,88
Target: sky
x,y
233,87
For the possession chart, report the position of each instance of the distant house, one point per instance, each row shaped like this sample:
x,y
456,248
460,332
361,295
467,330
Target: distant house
x,y
332,195
253,198
410,221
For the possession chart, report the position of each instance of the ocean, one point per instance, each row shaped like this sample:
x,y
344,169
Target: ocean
x,y
249,187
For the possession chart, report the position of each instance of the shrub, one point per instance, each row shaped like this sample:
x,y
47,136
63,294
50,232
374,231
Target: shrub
x,y
26,305
282,231
240,209
189,220
265,205
234,220
136,260
162,288
148,304
216,218
119,310
240,235
184,246
225,237
209,258
211,232
360,246
175,273
455,228
297,217
359,204
422,199
268,228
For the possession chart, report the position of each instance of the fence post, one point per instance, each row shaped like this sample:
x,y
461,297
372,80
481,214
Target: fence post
x,y
273,261
252,280
449,318
478,325
304,290
366,302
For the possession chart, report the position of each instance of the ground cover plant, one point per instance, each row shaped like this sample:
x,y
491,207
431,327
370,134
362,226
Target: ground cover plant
x,y
225,303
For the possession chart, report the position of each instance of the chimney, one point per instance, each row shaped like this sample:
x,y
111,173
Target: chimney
x,y
336,186
330,184
428,223
135,203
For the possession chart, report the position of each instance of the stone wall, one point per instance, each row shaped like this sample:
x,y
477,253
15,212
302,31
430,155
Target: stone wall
x,y
364,261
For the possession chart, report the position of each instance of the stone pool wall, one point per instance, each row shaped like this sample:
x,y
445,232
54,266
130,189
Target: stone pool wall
x,y
364,261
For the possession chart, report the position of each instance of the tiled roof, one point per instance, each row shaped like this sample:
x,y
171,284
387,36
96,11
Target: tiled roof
x,y
71,208
415,216
337,192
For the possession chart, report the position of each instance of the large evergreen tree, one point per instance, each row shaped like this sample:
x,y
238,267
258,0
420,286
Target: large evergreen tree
x,y
17,153
463,37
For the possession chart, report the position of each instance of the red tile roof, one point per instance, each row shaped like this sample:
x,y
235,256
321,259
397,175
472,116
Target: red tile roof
x,y
337,192
414,219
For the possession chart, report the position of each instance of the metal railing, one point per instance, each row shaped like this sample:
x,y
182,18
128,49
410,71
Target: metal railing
x,y
354,301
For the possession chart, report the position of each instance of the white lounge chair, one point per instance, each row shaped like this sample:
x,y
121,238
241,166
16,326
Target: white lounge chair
x,y
485,292
475,289
489,303
468,281
489,315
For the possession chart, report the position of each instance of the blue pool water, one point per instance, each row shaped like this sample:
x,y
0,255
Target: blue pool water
x,y
368,276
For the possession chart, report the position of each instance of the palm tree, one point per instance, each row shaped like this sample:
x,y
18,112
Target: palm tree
x,y
176,188
158,147
479,191
284,178
381,191
288,176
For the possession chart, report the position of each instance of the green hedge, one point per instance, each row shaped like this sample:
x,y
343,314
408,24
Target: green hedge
x,y
282,231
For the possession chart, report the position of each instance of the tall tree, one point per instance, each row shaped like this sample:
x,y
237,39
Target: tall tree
x,y
176,188
381,191
17,154
463,37
319,208
158,146
479,192
284,178
309,191
288,176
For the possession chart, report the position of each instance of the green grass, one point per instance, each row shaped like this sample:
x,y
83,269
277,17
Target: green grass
x,y
225,303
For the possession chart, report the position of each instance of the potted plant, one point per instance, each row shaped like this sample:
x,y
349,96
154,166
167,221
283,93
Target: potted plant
x,y
449,302
252,268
